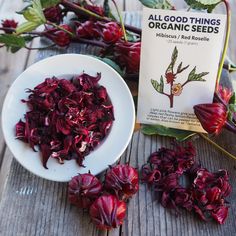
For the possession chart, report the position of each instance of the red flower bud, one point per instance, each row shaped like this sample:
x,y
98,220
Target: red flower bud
x,y
88,29
212,116
225,94
128,55
84,189
9,24
108,212
53,14
111,32
60,37
123,180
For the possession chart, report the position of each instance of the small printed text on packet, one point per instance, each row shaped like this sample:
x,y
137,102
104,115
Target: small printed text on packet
x,y
169,116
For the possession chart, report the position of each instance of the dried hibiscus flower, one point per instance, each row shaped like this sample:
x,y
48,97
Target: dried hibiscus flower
x,y
105,202
206,191
122,180
84,189
67,118
108,212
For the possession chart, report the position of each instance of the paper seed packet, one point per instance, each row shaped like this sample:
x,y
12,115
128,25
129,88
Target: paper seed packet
x,y
180,54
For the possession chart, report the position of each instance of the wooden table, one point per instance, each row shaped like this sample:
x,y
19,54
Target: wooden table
x,y
33,206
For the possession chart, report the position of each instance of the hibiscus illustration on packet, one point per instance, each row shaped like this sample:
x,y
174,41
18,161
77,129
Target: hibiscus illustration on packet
x,y
171,75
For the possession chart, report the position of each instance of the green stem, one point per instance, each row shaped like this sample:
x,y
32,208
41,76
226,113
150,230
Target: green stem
x,y
226,42
121,21
60,28
217,146
82,9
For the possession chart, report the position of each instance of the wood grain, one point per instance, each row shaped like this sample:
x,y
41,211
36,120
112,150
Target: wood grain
x,y
10,67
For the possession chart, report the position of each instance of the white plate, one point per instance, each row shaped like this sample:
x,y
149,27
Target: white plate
x,y
98,160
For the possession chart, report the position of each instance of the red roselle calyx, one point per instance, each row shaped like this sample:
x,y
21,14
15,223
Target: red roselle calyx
x,y
122,180
9,24
107,212
225,94
212,116
53,14
111,32
128,55
84,189
60,37
87,30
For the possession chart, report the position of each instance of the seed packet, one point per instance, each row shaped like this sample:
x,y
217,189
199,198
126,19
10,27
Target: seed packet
x,y
180,54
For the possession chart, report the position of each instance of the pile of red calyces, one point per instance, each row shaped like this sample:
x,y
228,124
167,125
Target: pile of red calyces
x,y
67,119
205,192
105,202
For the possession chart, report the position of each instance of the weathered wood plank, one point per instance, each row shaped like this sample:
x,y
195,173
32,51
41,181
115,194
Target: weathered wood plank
x,y
119,3
11,65
147,217
132,5
26,58
33,206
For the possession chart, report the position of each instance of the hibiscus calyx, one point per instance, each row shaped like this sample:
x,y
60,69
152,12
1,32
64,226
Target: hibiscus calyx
x,y
205,193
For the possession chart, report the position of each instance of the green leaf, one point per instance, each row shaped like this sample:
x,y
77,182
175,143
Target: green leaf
x,y
26,27
203,74
231,112
106,7
34,16
159,87
28,38
132,37
174,55
12,42
229,65
23,10
107,10
34,13
208,5
192,73
14,49
232,100
112,64
173,60
162,84
196,77
180,69
179,135
158,4
49,3
232,107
